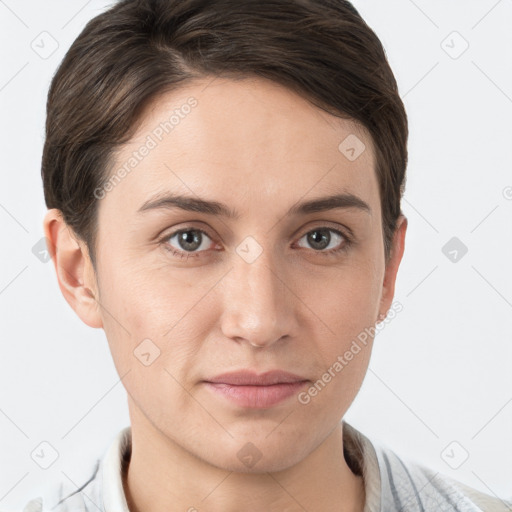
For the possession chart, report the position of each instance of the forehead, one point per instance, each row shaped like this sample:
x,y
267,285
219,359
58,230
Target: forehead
x,y
249,142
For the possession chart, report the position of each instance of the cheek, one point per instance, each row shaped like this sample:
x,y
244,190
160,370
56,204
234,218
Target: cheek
x,y
144,313
346,300
344,354
154,338
348,305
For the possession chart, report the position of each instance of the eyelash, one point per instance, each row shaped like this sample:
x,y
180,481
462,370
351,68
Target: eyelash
x,y
347,243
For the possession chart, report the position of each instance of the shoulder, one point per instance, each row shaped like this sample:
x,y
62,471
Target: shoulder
x,y
418,487
485,501
102,490
394,482
66,497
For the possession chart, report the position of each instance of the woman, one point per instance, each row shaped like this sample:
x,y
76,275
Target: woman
x,y
223,182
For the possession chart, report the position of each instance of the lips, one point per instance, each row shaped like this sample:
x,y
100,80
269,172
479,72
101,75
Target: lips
x,y
258,391
250,378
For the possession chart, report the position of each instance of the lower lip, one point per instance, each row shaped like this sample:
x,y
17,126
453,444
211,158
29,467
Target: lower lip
x,y
257,397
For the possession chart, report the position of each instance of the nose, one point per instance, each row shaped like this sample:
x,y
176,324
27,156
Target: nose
x,y
258,304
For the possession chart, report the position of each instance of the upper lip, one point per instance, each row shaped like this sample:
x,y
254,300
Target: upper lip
x,y
251,378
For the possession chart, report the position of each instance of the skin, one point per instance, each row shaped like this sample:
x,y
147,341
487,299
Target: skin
x,y
258,148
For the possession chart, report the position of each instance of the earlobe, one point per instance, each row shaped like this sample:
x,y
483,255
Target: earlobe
x,y
75,274
397,251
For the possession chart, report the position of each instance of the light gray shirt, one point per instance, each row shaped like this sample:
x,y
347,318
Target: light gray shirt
x,y
392,483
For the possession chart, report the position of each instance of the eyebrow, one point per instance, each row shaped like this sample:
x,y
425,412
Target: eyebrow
x,y
196,204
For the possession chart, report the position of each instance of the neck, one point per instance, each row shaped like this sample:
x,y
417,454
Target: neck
x,y
161,477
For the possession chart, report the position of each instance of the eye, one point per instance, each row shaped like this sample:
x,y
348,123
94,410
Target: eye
x,y
324,238
187,242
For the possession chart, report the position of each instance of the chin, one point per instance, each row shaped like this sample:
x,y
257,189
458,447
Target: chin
x,y
263,466
258,457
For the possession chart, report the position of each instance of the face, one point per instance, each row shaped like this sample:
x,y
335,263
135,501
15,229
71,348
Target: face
x,y
251,272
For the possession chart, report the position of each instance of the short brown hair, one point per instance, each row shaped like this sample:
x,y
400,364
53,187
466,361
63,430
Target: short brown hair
x,y
137,49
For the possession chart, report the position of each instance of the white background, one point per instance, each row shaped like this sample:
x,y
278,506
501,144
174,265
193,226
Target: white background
x,y
441,370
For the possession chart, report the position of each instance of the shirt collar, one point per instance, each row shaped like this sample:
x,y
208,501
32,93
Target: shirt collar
x,y
114,463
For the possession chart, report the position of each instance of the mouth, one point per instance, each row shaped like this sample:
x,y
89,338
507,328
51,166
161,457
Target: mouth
x,y
258,391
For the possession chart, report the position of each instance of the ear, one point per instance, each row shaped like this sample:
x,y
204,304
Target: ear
x,y
397,251
75,273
